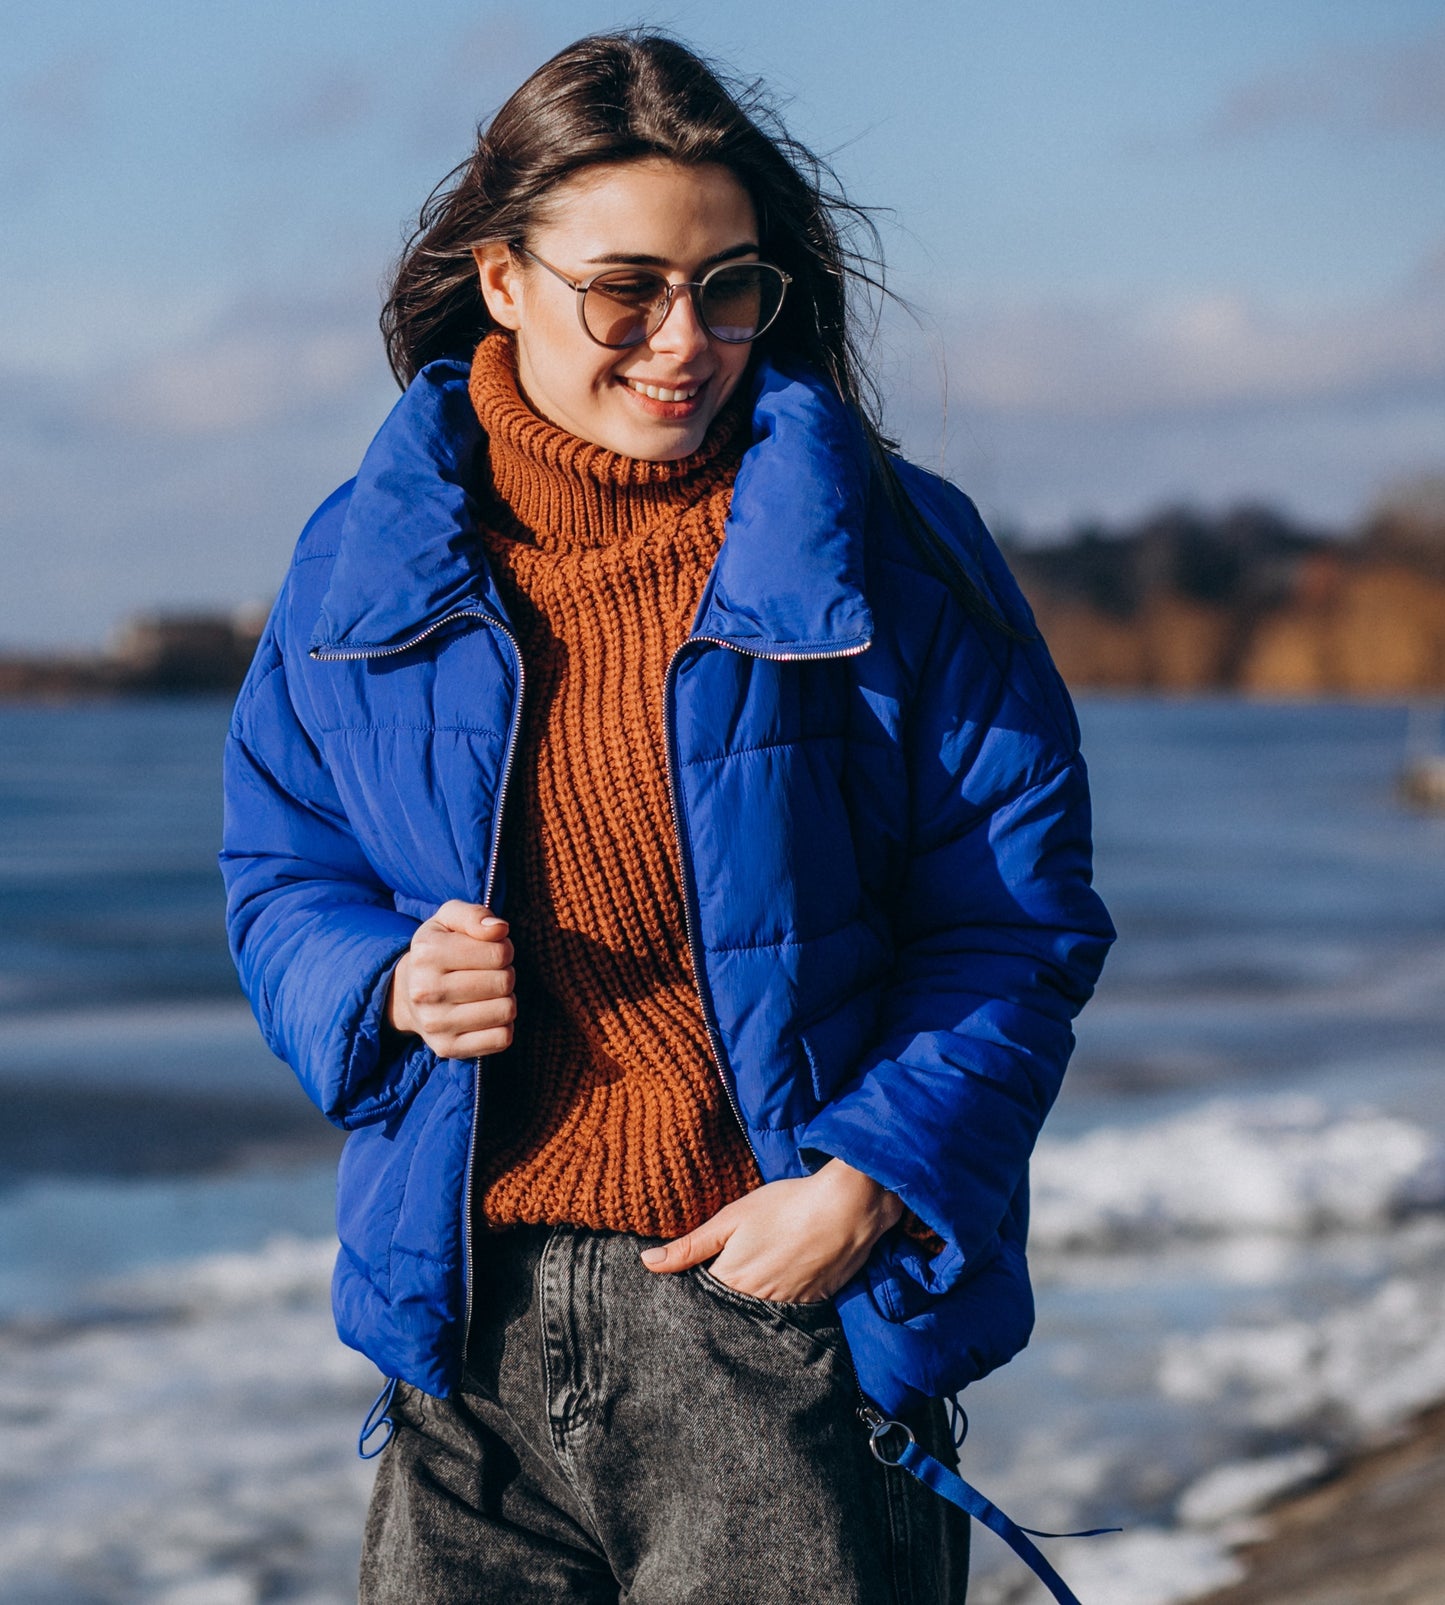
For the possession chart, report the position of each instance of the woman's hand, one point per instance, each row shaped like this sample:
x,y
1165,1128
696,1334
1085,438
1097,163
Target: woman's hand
x,y
796,1239
454,986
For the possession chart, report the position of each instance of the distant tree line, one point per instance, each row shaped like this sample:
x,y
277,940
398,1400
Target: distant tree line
x,y
1245,600
1248,599
152,654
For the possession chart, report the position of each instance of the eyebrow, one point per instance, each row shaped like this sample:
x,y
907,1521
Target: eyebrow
x,y
640,259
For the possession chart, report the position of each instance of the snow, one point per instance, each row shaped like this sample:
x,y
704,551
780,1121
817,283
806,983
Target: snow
x,y
193,1445
1367,1366
1245,1486
1282,1166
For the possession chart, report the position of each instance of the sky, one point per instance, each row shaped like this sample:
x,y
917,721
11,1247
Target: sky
x,y
1154,254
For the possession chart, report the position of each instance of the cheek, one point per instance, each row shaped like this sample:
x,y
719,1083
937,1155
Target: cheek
x,y
576,375
562,349
735,365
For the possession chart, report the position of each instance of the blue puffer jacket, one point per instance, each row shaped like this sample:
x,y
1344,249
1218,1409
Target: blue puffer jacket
x,y
883,822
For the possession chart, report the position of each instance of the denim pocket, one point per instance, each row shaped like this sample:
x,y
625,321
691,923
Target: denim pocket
x,y
814,1318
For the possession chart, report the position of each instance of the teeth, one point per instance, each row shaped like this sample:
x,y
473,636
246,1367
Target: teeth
x,y
659,394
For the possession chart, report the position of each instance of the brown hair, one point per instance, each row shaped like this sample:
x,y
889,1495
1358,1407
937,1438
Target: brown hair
x,y
614,97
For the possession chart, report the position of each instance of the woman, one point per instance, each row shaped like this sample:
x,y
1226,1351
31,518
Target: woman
x,y
656,833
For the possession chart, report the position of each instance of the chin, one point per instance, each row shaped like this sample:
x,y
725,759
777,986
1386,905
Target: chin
x,y
659,446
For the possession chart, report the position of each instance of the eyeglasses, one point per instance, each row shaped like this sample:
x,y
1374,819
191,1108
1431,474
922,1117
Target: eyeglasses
x,y
734,301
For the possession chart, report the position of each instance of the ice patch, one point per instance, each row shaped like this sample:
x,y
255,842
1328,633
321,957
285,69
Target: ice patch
x,y
194,1445
1280,1166
1146,1567
1360,1369
1246,1486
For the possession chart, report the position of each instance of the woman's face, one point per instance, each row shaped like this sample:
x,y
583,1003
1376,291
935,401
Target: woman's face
x,y
651,212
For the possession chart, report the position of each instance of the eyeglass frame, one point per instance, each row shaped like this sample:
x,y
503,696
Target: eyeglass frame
x,y
581,287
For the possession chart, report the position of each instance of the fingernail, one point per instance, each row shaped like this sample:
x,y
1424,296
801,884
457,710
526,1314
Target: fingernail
x,y
492,921
653,1256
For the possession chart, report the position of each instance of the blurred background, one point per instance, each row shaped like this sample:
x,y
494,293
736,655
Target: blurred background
x,y
1176,319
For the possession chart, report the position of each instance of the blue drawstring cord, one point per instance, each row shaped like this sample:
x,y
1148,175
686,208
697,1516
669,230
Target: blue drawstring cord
x,y
930,1472
957,1421
377,1417
949,1485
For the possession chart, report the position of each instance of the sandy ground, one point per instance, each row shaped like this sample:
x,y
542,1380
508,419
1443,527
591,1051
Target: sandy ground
x,y
1373,1533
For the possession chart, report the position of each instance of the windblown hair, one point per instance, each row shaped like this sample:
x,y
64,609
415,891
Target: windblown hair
x,y
616,97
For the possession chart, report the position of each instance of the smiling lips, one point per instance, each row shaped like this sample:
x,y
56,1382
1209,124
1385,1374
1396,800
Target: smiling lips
x,y
661,392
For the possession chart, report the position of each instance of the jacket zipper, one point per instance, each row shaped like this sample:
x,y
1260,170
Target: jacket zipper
x,y
327,654
669,752
389,651
867,1413
865,1410
492,856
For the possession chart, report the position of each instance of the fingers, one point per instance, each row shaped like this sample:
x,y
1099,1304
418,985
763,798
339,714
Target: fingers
x,y
784,1241
442,947
471,1044
438,976
692,1248
469,919
467,1031
455,987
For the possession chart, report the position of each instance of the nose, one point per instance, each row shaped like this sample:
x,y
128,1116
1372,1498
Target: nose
x,y
681,331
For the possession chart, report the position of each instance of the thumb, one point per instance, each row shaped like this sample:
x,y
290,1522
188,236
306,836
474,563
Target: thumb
x,y
689,1249
470,919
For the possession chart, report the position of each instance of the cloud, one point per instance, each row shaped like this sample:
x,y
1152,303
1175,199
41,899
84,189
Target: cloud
x,y
1431,271
1185,354
469,74
1325,464
430,109
236,380
1392,89
62,100
331,101
50,113
179,476
239,381
1054,410
256,363
497,55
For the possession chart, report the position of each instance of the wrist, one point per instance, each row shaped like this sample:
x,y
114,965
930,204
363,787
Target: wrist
x,y
398,1011
868,1199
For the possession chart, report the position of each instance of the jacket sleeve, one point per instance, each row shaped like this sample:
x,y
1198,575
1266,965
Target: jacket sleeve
x,y
312,929
999,939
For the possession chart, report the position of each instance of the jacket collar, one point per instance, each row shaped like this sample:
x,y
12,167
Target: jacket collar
x,y
788,579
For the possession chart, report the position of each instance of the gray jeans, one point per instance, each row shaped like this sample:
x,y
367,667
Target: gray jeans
x,y
625,1435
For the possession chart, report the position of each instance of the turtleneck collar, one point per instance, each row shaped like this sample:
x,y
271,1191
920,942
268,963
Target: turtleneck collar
x,y
568,492
403,554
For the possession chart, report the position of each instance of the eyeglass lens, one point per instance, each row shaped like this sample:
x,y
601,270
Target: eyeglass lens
x,y
735,303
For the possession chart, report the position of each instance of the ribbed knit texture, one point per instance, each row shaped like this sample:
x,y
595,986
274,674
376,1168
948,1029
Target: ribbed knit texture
x,y
608,1109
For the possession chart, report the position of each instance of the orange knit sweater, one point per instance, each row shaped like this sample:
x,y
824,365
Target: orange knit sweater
x,y
608,1109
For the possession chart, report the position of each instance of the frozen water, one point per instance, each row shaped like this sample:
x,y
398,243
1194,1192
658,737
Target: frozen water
x,y
1244,1486
1239,1205
1275,1165
193,1442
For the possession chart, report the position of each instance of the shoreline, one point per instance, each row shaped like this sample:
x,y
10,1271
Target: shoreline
x,y
1372,1528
